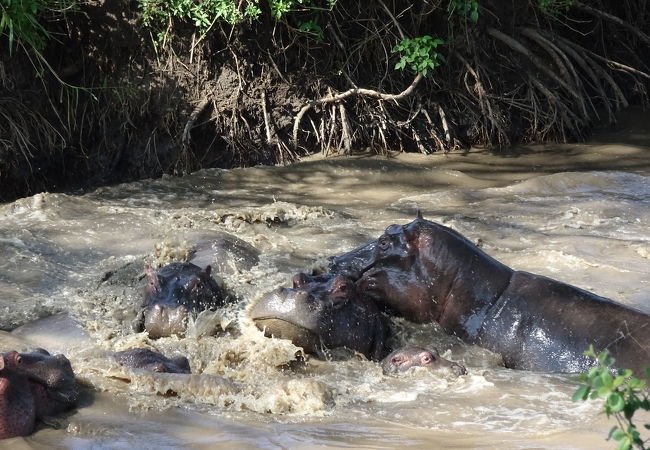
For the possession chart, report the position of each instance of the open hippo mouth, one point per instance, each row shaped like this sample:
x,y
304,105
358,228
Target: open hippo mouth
x,y
283,329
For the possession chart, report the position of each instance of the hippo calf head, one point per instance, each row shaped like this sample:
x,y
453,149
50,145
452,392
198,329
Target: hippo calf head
x,y
142,358
403,359
175,292
322,311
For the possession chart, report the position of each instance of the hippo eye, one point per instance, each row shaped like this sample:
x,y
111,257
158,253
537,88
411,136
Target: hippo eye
x,y
18,359
384,243
427,358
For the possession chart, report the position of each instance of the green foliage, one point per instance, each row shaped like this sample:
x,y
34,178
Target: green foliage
x,y
466,9
313,28
205,13
21,20
624,395
419,54
555,7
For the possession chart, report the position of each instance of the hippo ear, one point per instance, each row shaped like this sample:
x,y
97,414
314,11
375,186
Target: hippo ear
x,y
418,215
151,275
208,270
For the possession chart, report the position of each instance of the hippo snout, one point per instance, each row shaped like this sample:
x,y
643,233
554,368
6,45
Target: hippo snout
x,y
162,320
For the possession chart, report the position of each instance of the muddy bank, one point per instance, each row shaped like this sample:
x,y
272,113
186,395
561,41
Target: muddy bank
x,y
109,101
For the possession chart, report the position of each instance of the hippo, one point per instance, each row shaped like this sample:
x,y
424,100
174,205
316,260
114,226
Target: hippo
x,y
403,359
142,358
33,386
174,293
323,311
426,272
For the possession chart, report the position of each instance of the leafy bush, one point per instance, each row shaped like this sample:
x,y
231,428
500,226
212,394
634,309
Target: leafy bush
x,y
624,395
419,54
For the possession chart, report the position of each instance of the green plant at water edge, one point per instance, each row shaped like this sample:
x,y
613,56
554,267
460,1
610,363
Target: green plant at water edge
x,y
419,54
20,20
624,395
555,7
467,9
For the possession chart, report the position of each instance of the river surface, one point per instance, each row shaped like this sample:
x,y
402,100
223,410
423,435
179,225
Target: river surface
x,y
577,213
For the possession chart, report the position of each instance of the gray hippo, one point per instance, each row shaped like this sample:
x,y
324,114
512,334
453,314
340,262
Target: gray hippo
x,y
323,311
33,386
174,293
142,358
428,272
403,359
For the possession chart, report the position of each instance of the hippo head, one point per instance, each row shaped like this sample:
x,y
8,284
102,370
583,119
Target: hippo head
x,y
142,358
173,293
322,311
50,373
32,386
405,358
424,271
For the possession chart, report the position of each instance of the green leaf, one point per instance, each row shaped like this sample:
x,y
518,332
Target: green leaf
x,y
474,16
616,402
617,434
581,393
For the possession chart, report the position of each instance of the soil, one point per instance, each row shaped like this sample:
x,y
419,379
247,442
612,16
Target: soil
x,y
110,106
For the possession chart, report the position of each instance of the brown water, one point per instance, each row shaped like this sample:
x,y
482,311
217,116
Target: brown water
x,y
577,213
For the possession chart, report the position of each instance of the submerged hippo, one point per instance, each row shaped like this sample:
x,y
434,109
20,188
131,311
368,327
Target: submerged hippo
x,y
32,386
401,360
175,292
428,272
323,311
142,358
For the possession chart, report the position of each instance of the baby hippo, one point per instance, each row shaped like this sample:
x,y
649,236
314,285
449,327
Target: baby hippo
x,y
142,358
401,360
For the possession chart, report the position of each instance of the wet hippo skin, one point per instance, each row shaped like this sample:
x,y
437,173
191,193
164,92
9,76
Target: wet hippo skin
x,y
142,358
323,311
426,272
175,292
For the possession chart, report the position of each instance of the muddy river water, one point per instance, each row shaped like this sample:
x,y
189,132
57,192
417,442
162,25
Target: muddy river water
x,y
577,213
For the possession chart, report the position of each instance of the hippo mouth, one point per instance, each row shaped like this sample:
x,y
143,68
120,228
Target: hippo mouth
x,y
283,329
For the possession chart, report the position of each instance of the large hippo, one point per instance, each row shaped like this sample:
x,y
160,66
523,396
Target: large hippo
x,y
428,272
143,358
323,311
32,386
174,293
403,359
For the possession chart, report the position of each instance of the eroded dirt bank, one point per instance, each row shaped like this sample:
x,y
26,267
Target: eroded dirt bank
x,y
109,101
